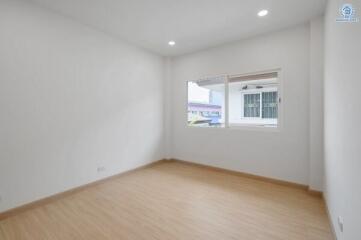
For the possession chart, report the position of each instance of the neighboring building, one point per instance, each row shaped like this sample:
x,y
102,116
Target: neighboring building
x,y
251,102
201,113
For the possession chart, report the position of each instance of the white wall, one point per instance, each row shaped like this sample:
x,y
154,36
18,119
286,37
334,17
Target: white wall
x,y
342,120
167,108
316,103
72,99
284,154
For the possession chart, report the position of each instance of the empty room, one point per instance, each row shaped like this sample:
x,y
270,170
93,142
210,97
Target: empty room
x,y
180,120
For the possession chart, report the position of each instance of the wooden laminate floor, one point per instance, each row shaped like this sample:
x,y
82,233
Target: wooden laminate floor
x,y
176,201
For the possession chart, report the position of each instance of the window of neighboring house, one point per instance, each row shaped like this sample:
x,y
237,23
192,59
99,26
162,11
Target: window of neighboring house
x,y
251,105
252,100
270,105
206,97
216,114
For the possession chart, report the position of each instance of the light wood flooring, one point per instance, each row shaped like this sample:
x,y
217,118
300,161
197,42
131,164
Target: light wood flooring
x,y
174,200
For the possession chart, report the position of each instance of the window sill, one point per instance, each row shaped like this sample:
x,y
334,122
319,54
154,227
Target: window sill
x,y
261,128
245,127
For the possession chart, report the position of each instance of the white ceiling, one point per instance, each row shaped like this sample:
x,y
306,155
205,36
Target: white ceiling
x,y
193,24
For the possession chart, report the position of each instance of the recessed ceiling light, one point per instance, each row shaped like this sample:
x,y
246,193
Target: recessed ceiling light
x,y
171,43
262,13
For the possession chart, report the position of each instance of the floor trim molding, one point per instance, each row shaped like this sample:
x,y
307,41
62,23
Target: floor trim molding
x,y
253,176
333,230
14,211
46,200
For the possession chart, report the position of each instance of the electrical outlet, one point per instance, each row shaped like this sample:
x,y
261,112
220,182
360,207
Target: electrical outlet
x,y
101,169
340,223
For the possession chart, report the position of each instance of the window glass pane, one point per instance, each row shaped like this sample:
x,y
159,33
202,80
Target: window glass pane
x,y
206,102
269,105
251,105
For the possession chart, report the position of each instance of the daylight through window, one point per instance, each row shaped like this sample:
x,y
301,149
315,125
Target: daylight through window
x,y
206,102
251,100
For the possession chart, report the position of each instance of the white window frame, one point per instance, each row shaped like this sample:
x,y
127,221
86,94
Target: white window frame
x,y
256,127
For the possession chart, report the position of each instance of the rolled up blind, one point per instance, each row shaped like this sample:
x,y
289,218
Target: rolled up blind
x,y
253,77
211,80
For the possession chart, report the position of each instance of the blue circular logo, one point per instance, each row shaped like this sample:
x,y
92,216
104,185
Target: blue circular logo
x,y
347,10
